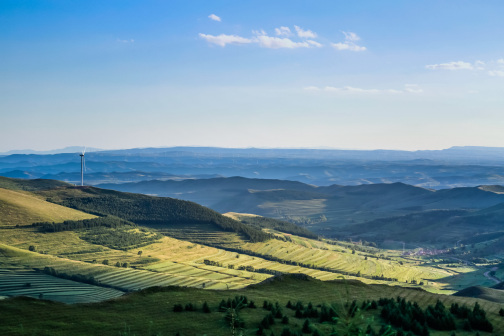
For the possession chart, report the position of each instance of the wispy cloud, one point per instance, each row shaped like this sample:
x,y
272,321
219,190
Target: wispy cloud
x,y
126,41
266,41
408,88
460,65
349,43
347,46
223,39
304,33
496,73
214,17
494,68
283,31
262,39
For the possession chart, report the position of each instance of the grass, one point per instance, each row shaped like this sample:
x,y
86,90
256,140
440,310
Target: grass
x,y
23,208
151,312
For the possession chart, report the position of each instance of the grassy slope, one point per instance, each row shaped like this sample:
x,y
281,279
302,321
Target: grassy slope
x,y
173,257
23,208
151,312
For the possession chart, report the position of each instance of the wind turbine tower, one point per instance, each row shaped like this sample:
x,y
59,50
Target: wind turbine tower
x,y
82,166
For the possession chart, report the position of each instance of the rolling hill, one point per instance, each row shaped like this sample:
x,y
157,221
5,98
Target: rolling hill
x,y
344,210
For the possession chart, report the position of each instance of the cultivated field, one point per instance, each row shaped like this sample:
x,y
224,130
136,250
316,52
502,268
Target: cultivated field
x,y
39,285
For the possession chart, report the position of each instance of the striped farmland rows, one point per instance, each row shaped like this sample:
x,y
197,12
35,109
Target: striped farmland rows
x,y
346,262
34,284
134,279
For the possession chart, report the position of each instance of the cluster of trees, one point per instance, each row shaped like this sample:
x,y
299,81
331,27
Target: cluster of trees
x,y
275,312
474,319
369,248
405,315
121,238
410,317
160,211
240,301
212,263
70,225
178,308
279,225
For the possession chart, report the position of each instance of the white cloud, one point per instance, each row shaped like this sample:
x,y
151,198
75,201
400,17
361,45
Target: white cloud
x,y
223,39
460,65
500,61
349,36
496,73
214,17
126,41
266,41
283,31
314,43
408,88
262,39
304,33
349,44
412,88
480,65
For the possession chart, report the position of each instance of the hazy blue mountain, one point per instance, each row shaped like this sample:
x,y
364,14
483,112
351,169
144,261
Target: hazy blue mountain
x,y
443,169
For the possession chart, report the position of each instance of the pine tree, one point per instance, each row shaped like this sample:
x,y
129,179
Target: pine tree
x,y
306,327
205,308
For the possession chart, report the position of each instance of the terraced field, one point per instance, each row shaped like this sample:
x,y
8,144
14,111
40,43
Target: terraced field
x,y
174,274
38,285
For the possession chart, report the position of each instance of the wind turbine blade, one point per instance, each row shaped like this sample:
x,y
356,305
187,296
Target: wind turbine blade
x,y
84,152
84,158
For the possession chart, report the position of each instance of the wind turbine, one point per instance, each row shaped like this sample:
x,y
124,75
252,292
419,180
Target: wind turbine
x,y
82,166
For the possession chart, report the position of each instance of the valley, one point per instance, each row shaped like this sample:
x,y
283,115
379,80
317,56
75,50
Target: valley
x,y
76,245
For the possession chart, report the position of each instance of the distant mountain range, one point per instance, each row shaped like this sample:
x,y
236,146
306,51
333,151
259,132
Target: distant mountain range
x,y
454,167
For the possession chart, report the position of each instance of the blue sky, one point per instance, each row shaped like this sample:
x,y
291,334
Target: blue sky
x,y
341,74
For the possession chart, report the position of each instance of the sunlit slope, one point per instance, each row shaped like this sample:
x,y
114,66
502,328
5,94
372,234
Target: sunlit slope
x,y
23,208
127,278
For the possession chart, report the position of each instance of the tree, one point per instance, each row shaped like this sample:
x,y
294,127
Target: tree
x,y
140,253
206,309
501,312
306,327
105,262
32,248
285,320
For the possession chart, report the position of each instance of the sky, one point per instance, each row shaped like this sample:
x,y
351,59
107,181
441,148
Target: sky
x,y
298,74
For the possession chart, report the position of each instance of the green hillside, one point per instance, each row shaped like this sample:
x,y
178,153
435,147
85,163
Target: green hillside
x,y
30,185
490,294
23,208
157,212
154,311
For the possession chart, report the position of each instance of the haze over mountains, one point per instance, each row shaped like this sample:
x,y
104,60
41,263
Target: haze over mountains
x,y
437,169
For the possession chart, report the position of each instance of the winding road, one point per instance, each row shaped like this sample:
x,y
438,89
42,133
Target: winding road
x,y
491,277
